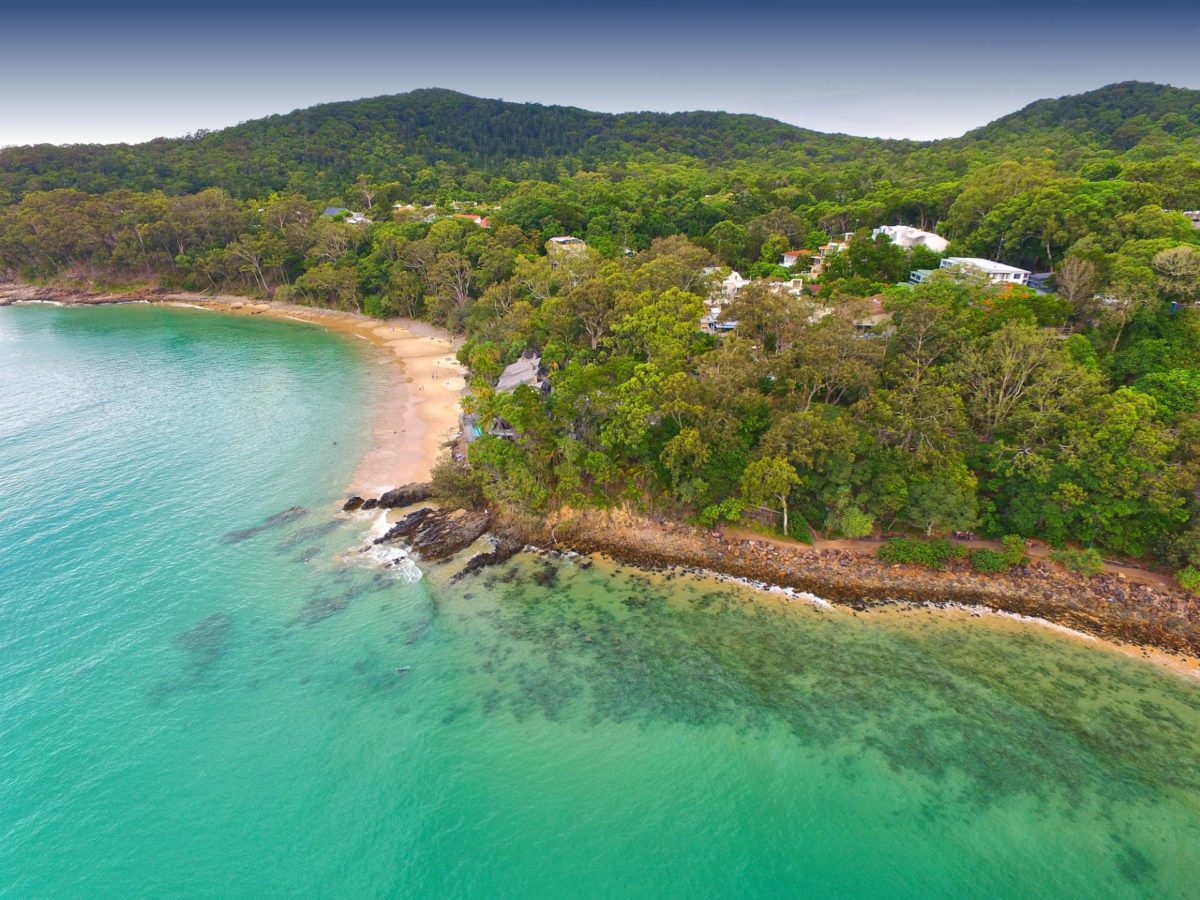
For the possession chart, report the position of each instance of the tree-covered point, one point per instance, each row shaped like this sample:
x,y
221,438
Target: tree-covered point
x,y
975,407
860,405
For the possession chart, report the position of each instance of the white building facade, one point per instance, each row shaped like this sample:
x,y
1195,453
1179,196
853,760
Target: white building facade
x,y
908,237
988,270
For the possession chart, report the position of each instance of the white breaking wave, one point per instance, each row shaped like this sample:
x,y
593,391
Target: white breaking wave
x,y
1016,617
394,558
790,593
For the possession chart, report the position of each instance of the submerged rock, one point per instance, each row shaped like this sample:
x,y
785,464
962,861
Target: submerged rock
x,y
1164,616
281,518
320,608
505,549
205,641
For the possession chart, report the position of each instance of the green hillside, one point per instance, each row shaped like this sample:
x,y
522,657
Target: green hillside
x,y
326,147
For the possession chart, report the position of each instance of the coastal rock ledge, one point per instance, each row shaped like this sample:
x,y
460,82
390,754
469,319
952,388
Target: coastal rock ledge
x,y
1150,615
437,534
405,495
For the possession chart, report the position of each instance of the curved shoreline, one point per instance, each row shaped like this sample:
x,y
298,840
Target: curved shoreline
x,y
418,412
418,408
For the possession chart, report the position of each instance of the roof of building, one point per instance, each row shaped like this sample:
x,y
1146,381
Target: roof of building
x,y
910,236
984,265
566,239
334,210
526,370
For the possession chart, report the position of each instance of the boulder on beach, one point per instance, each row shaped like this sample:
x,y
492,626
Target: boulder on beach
x,y
406,495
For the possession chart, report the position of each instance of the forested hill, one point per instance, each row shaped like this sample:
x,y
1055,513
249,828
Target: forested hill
x,y
322,150
1117,116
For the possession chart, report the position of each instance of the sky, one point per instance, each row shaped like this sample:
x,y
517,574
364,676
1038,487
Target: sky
x,y
131,71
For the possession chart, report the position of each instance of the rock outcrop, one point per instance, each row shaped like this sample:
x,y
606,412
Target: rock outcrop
x,y
405,495
436,534
505,549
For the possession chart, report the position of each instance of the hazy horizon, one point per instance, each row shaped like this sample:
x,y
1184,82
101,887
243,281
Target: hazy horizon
x,y
132,72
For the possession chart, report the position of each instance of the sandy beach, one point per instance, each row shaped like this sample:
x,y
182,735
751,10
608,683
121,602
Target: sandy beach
x,y
419,412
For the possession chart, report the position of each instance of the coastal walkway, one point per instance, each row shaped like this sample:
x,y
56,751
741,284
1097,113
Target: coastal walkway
x,y
870,546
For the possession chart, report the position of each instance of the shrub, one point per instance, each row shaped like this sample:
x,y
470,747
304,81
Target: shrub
x,y
852,522
931,554
1190,579
799,530
1014,549
456,484
729,509
1081,562
990,562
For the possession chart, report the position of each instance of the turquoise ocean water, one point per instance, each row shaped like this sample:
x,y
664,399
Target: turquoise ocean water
x,y
203,694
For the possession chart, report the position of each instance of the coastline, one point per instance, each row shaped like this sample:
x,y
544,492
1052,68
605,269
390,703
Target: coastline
x,y
417,413
1147,621
418,410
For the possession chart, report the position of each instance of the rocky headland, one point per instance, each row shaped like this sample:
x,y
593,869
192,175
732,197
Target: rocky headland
x,y
1108,606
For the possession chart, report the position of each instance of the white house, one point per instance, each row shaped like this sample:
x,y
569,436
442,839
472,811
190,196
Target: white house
x,y
988,270
1194,215
793,286
908,237
794,256
713,322
733,283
